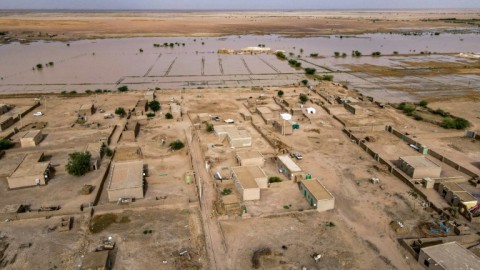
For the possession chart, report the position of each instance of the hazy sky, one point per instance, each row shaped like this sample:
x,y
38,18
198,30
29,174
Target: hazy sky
x,y
235,4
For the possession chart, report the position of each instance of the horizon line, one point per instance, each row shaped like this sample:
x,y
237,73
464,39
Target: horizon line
x,y
237,10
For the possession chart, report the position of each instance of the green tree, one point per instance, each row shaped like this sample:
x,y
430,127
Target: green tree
x,y
176,145
123,88
5,144
281,55
274,179
154,105
303,98
280,93
226,191
423,103
39,66
78,163
140,50
304,82
336,54
209,127
120,111
310,71
168,116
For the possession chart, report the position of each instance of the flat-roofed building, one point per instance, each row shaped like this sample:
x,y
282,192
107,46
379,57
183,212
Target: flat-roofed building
x,y
99,260
236,137
283,127
95,150
317,195
6,122
175,110
149,96
266,113
32,171
420,167
141,107
125,181
289,168
248,181
250,158
31,138
448,256
86,109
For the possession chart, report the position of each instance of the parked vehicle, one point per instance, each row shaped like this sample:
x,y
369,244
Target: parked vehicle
x,y
296,155
38,114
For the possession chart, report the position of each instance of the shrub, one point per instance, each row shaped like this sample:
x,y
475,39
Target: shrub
x,y
356,53
441,112
50,63
140,50
281,55
327,77
88,91
108,152
303,98
98,90
314,54
457,123
123,88
154,105
73,92
376,53
274,179
120,111
336,54
344,55
417,117
304,82
280,93
5,144
423,103
78,163
395,52
150,114
310,71
176,145
168,116
226,191
209,127
39,66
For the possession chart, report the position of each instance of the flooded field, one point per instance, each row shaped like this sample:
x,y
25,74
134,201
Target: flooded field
x,y
194,62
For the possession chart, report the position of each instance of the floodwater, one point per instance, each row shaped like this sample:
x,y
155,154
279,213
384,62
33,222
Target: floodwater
x,y
107,63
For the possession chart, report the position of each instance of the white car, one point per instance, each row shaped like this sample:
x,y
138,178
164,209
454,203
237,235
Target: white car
x,y
38,114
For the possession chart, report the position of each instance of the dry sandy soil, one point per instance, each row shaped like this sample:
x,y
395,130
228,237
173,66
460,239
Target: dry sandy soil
x,y
73,26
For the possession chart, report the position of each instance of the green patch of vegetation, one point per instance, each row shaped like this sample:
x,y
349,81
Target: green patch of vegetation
x,y
106,150
326,77
39,66
150,114
176,145
423,103
407,108
274,179
168,116
98,91
281,55
286,207
226,191
123,88
73,92
140,50
455,123
356,53
310,71
120,111
303,98
5,144
376,53
314,54
304,82
209,127
330,224
280,93
154,105
78,163
294,63
417,117
441,112
147,232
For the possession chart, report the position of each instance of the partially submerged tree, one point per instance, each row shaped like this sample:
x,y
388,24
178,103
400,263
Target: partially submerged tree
x,y
78,163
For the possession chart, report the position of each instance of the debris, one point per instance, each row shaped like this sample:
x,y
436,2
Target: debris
x,y
316,256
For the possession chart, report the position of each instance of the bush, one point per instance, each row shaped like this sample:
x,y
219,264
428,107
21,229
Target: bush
x,y
336,54
281,55
176,145
154,105
327,77
417,117
406,108
441,112
39,66
280,93
304,82
140,50
78,163
376,53
356,53
108,152
274,179
98,91
73,92
303,98
310,71
344,55
120,111
5,144
226,191
314,54
457,123
50,63
123,88
423,103
150,114
209,128
168,116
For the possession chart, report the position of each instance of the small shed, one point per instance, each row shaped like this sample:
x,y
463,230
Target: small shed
x,y
283,127
419,167
126,180
86,109
266,113
317,195
289,168
239,138
250,158
141,107
31,171
99,260
248,181
354,109
131,130
448,256
95,150
31,138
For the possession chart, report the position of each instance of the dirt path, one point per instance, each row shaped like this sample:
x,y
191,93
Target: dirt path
x,y
215,243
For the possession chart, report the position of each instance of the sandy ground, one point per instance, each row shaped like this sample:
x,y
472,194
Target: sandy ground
x,y
72,26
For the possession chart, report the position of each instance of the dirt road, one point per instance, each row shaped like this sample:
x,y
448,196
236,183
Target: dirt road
x,y
215,243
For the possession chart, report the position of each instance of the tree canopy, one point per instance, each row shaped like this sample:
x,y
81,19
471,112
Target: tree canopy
x,y
78,163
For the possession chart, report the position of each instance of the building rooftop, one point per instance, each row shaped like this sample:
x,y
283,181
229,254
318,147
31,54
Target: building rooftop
x,y
289,163
95,260
249,154
4,118
127,174
86,106
30,165
238,134
131,125
94,149
246,175
452,256
317,189
465,196
30,134
263,110
419,162
452,186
